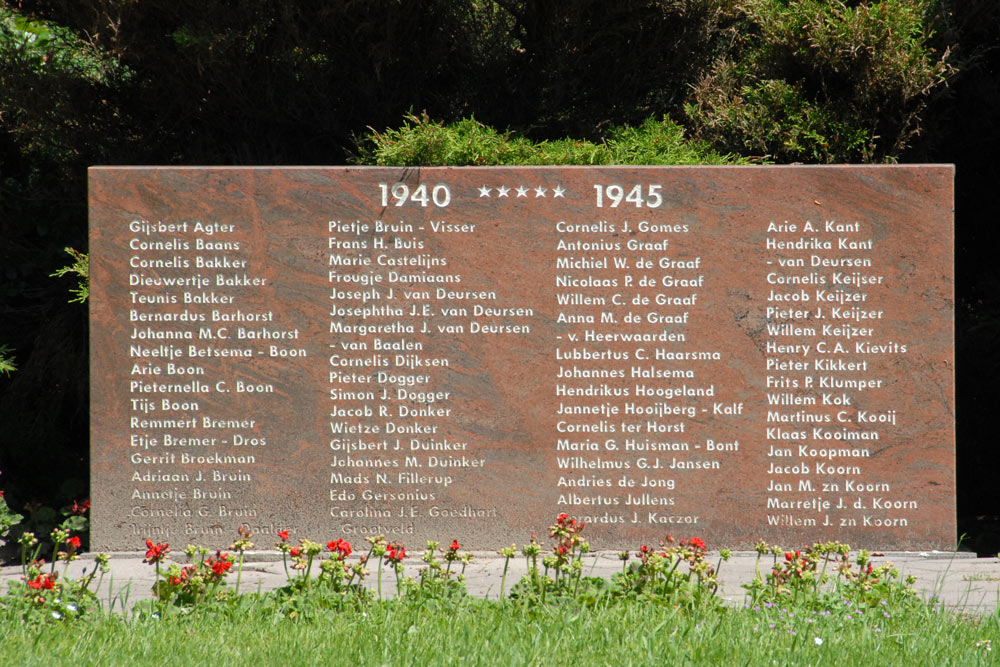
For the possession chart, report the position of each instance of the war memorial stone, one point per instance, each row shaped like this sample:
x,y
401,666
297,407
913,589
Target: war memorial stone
x,y
733,353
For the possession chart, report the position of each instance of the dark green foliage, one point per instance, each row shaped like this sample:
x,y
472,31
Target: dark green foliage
x,y
8,520
55,117
822,81
6,362
964,130
573,68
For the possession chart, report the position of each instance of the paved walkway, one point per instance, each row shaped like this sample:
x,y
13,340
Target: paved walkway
x,y
960,581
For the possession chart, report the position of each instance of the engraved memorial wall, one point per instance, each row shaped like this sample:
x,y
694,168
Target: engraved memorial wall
x,y
734,353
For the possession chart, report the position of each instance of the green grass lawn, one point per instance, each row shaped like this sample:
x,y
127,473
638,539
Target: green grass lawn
x,y
252,630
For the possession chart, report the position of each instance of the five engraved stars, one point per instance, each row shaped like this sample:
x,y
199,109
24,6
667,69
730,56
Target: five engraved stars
x,y
521,191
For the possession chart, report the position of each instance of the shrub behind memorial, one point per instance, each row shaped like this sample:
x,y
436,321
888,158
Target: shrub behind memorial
x,y
423,141
818,81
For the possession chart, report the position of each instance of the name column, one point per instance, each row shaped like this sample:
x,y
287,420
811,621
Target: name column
x,y
829,406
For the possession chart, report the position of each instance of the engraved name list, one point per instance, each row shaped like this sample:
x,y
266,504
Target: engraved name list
x,y
729,353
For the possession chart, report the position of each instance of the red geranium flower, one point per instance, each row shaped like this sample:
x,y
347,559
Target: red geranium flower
x,y
341,547
454,545
789,556
697,542
220,567
73,542
155,553
78,510
283,534
395,552
42,582
295,552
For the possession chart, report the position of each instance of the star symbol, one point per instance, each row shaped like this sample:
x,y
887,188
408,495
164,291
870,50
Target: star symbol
x,y
484,191
502,191
557,191
539,191
522,191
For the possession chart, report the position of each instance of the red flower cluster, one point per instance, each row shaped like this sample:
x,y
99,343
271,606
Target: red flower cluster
x,y
78,510
295,552
451,555
73,542
395,552
283,534
795,567
341,547
155,553
214,568
43,582
186,574
565,521
220,564
697,543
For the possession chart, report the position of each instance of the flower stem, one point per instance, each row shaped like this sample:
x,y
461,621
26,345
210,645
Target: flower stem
x,y
819,580
239,573
503,578
379,577
55,550
86,581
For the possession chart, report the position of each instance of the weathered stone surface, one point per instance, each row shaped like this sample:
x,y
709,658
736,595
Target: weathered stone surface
x,y
731,353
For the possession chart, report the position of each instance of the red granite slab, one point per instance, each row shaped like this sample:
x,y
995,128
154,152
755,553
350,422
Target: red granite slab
x,y
733,353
